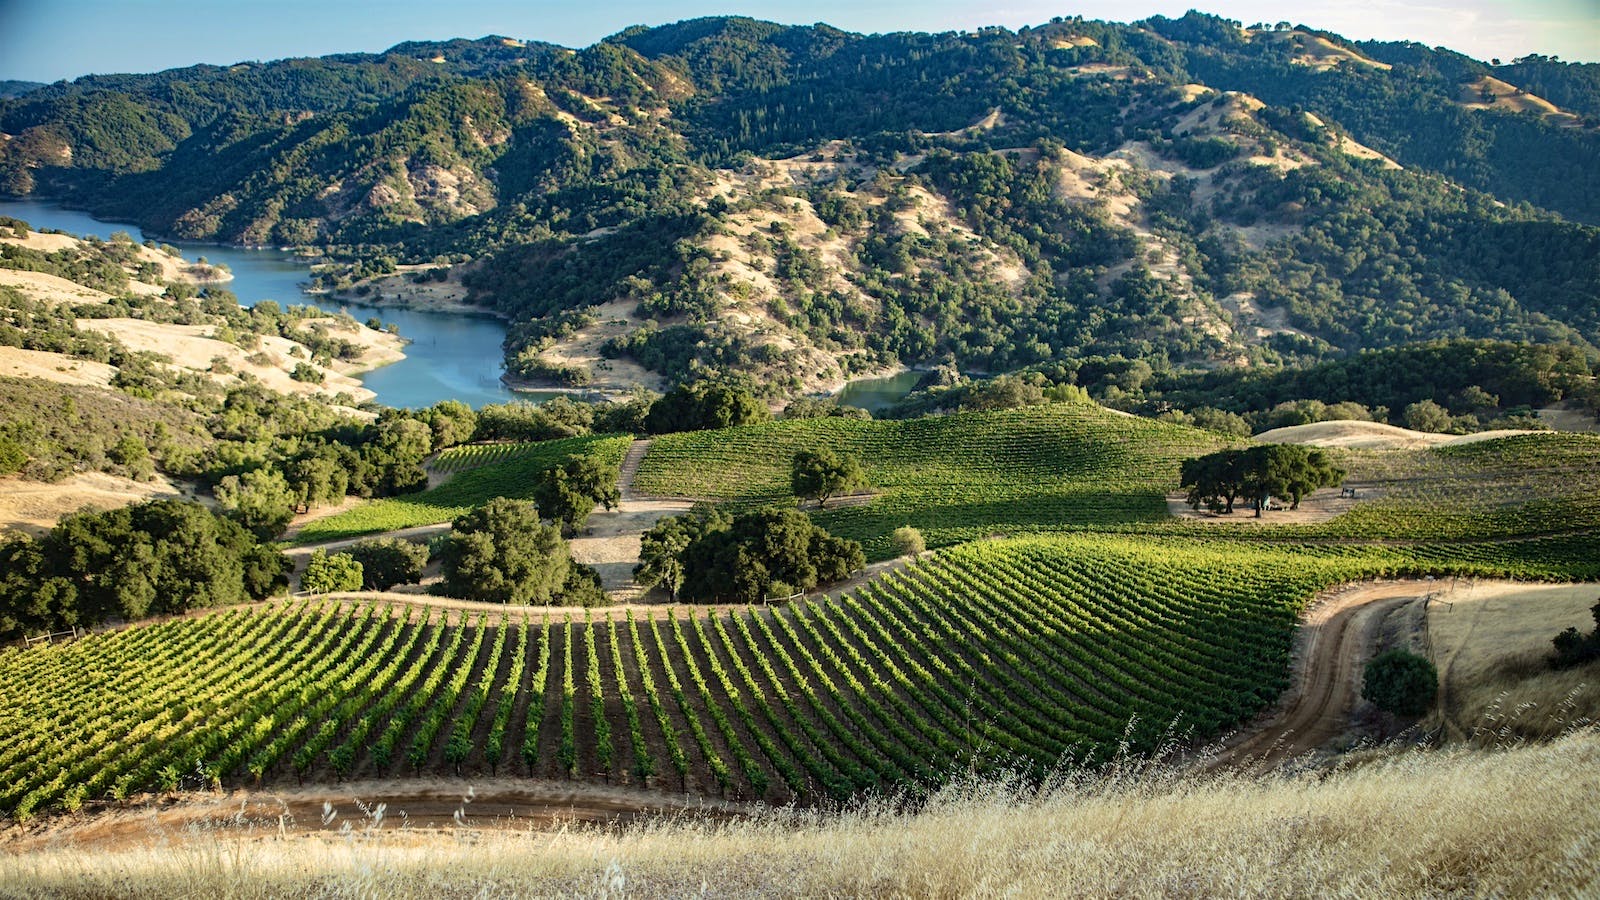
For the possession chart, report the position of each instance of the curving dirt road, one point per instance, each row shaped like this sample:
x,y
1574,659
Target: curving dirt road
x,y
1332,646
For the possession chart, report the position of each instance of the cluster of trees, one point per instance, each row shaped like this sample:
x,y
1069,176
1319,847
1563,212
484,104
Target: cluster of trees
x,y
1450,385
265,482
375,565
710,555
1256,474
1410,112
1369,257
155,558
502,553
944,390
704,405
48,431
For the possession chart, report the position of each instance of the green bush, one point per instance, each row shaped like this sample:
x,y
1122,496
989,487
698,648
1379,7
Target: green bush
x,y
907,541
331,572
12,456
1400,682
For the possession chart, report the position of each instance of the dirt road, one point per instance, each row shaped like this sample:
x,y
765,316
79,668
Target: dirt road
x,y
1332,647
423,805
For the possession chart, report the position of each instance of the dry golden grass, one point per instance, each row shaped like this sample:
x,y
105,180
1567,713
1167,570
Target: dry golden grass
x,y
1491,644
1517,823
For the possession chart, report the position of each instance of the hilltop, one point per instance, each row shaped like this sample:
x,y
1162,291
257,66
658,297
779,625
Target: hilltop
x,y
799,205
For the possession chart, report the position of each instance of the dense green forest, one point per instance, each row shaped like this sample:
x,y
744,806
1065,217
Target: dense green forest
x,y
794,205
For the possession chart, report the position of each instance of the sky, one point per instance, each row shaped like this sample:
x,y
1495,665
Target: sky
x,y
47,40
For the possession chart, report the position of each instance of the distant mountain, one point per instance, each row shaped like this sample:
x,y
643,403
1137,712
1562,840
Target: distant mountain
x,y
10,89
797,204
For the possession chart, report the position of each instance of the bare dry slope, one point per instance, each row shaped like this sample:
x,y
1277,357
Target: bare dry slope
x,y
1359,435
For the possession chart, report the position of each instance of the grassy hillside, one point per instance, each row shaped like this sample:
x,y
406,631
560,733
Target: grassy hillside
x,y
1067,467
1151,832
992,656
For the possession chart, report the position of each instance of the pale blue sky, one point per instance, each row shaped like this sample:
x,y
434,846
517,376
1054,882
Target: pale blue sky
x,y
45,40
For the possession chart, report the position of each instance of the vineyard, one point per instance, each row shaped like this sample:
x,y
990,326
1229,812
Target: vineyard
x,y
996,654
511,473
957,478
1066,618
1073,468
1525,484
474,456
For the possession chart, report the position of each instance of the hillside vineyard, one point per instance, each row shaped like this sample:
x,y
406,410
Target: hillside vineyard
x,y
1225,520
997,655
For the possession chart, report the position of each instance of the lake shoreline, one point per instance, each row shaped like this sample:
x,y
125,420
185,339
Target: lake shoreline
x,y
452,353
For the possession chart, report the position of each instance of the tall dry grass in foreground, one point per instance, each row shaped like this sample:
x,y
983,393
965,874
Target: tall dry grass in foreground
x,y
1518,823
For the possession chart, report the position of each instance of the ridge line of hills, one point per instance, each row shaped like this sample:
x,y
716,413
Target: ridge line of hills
x,y
795,206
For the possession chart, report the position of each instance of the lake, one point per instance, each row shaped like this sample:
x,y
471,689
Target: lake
x,y
451,356
877,394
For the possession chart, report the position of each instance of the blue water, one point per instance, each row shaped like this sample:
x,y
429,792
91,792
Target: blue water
x,y
451,356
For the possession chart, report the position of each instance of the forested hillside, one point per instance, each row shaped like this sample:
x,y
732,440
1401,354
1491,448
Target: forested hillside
x,y
797,205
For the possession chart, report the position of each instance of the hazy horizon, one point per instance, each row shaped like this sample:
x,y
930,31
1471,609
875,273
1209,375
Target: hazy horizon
x,y
48,41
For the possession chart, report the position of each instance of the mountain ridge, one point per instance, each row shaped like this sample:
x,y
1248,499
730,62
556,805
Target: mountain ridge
x,y
1186,191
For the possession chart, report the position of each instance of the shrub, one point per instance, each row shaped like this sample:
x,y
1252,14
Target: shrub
x,y
1400,682
12,456
1573,648
907,541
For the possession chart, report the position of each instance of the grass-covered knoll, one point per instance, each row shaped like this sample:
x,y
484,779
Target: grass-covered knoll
x,y
995,655
955,477
469,489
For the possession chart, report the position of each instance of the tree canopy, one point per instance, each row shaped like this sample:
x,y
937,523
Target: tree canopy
x,y
501,553
327,573
568,493
1255,474
704,405
386,562
821,473
160,557
749,556
661,552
